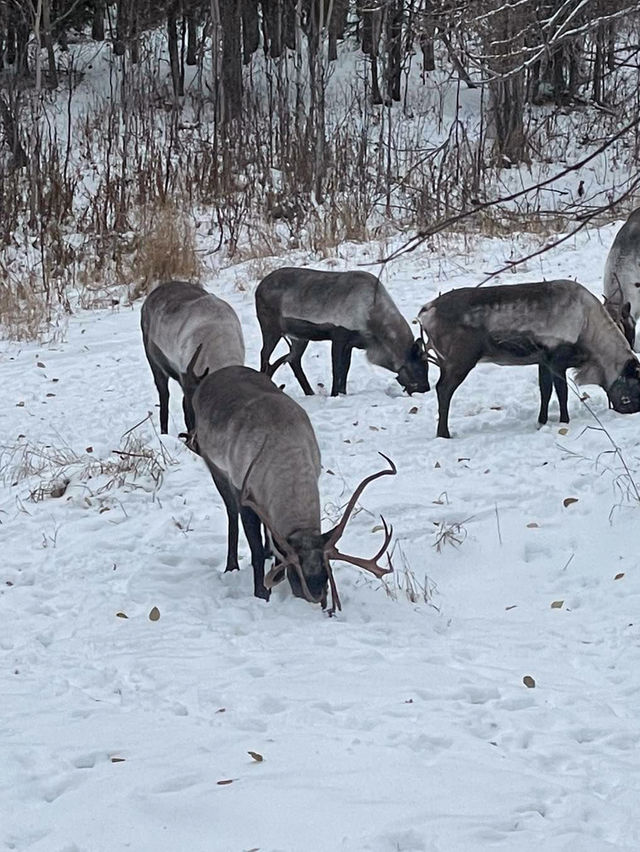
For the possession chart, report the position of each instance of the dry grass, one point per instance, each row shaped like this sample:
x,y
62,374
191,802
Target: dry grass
x,y
403,583
25,310
449,532
165,249
55,468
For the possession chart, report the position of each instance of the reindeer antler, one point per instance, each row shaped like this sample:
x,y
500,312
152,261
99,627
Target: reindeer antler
x,y
189,372
335,534
368,564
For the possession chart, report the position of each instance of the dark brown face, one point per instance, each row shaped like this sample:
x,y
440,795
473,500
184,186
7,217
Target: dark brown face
x,y
624,393
413,375
313,565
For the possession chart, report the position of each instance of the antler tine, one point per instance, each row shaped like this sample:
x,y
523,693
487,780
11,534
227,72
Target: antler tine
x,y
368,564
338,530
192,363
335,597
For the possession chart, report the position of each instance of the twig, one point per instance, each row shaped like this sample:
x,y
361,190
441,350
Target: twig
x,y
421,236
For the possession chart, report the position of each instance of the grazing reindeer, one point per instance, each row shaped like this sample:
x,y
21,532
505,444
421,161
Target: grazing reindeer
x,y
352,310
262,452
183,324
622,277
555,324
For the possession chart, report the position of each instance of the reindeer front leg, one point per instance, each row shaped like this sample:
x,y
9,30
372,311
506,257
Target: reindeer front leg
x,y
545,381
252,528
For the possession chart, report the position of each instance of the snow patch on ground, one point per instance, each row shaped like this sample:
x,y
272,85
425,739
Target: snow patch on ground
x,y
399,725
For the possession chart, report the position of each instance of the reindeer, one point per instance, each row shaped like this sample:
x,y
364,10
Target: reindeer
x,y
622,277
183,324
262,453
554,324
352,310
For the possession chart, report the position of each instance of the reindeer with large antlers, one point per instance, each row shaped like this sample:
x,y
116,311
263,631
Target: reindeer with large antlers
x,y
261,450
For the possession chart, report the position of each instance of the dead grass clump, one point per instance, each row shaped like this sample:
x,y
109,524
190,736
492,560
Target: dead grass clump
x,y
449,532
25,311
56,468
403,583
165,249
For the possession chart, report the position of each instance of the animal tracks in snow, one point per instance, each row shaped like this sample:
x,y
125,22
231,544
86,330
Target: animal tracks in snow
x,y
398,725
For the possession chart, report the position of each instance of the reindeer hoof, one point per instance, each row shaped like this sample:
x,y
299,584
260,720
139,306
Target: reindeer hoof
x,y
263,593
233,567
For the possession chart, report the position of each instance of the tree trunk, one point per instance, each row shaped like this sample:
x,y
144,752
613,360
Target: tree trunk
x,y
507,89
97,21
11,134
272,26
231,58
250,30
48,42
371,25
395,13
174,59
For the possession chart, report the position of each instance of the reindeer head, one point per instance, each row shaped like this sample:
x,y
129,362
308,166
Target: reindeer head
x,y
304,555
413,375
624,393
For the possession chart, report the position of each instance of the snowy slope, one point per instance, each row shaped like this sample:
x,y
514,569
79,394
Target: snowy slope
x,y
397,726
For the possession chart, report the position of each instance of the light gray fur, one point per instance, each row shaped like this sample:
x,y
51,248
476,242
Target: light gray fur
x,y
622,268
244,422
177,317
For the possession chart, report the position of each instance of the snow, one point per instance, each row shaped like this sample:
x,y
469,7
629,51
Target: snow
x,y
398,726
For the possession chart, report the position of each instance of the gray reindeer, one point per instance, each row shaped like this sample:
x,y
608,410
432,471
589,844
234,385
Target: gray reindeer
x,y
352,310
262,453
183,325
622,277
554,324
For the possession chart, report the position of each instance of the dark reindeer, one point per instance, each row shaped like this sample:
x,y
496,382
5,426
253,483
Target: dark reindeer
x,y
554,324
352,310
622,277
262,453
183,325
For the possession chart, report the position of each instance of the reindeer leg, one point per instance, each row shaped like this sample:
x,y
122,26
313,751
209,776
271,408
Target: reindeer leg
x,y
187,408
560,384
340,364
231,505
346,363
252,528
545,382
451,377
162,384
270,337
298,348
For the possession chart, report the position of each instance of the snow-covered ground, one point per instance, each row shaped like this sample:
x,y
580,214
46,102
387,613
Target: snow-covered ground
x,y
398,726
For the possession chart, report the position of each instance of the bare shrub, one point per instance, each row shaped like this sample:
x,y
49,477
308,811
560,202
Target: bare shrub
x,y
165,249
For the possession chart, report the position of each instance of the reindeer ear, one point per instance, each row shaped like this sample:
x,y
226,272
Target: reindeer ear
x,y
631,369
325,536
